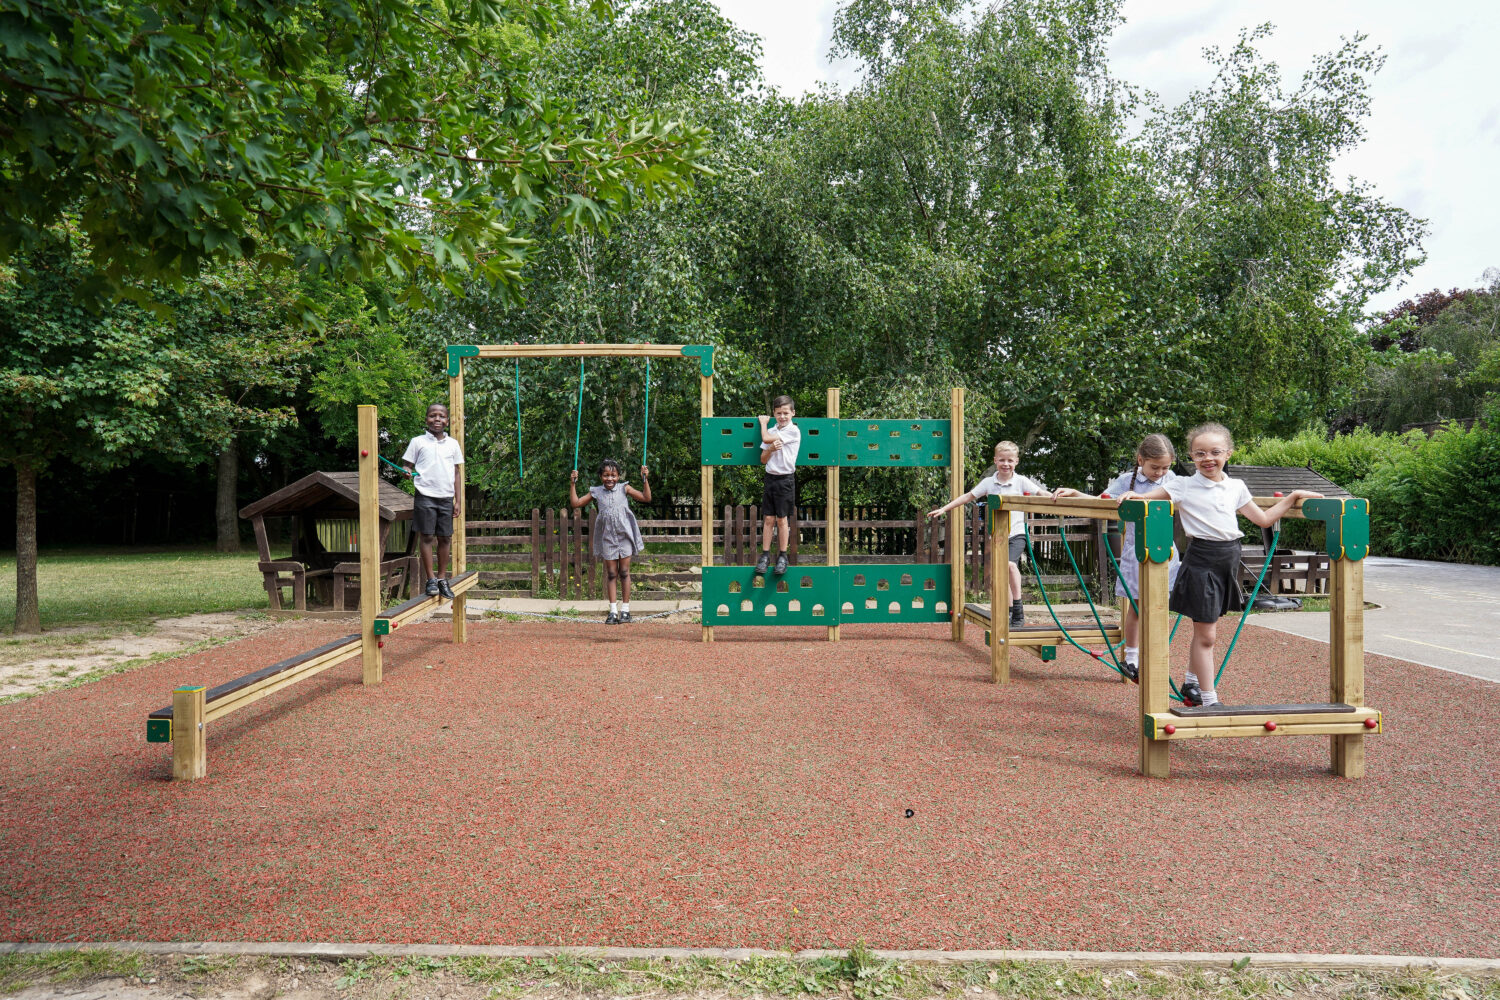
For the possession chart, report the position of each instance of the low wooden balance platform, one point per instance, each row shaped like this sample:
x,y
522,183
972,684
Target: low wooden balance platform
x,y
184,723
1343,718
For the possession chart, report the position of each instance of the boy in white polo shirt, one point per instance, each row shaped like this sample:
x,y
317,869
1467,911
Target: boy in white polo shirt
x,y
1005,480
778,453
433,458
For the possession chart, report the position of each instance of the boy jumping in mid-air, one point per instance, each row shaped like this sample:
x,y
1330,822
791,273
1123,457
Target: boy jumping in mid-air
x,y
778,453
433,457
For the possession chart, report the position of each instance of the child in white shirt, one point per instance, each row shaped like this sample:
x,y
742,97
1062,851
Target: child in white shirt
x,y
1006,481
778,502
1208,586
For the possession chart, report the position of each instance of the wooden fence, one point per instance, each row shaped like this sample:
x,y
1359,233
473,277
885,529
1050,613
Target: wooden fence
x,y
549,554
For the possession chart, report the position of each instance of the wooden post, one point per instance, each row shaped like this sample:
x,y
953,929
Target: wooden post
x,y
1346,658
189,741
831,534
536,551
956,547
706,503
459,549
997,541
1155,664
369,541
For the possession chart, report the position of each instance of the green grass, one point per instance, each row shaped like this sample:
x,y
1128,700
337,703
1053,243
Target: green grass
x,y
122,587
858,973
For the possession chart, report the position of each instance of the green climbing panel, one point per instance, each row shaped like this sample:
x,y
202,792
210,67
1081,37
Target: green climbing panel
x,y
736,441
1348,524
804,595
922,443
895,592
826,595
830,441
158,730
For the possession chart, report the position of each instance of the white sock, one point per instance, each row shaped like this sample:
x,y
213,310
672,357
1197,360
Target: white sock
x,y
1210,697
1192,678
1131,654
625,607
614,607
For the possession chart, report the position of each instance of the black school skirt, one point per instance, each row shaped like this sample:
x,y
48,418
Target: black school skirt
x,y
1208,584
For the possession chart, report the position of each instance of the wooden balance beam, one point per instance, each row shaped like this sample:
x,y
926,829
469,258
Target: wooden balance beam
x,y
183,723
394,617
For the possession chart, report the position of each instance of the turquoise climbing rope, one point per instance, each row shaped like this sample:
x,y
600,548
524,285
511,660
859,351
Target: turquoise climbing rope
x,y
520,461
577,430
397,467
1036,571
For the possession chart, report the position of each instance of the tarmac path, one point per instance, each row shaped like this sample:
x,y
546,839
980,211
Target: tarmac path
x,y
1443,615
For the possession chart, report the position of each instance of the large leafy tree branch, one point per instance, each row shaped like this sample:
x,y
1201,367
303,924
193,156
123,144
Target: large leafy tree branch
x,y
392,137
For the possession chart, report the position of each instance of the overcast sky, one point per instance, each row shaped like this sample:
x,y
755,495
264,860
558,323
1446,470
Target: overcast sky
x,y
1433,137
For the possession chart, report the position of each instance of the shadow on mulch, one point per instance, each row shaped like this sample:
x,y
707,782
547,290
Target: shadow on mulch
x,y
565,784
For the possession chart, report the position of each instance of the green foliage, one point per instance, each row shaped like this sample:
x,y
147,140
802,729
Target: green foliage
x,y
1439,499
1343,458
326,137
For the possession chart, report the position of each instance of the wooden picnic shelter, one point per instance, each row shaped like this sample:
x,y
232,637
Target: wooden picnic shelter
x,y
334,574
1291,572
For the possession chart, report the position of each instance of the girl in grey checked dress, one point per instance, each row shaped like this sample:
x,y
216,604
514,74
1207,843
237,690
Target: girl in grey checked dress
x,y
617,537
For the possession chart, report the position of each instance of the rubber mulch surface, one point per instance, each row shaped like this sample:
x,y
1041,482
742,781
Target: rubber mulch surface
x,y
581,785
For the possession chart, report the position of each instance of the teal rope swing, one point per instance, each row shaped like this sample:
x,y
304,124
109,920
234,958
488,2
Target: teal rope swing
x,y
578,429
520,462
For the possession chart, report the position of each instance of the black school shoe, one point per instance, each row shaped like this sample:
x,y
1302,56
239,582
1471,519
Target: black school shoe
x,y
1017,616
612,619
780,563
624,617
445,589
1131,672
1192,695
432,587
762,563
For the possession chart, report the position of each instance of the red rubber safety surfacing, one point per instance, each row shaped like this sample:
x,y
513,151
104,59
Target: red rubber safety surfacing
x,y
573,784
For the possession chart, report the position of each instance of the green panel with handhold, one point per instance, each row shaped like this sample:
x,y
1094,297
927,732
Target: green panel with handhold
x,y
895,592
1049,652
912,443
158,730
736,441
382,626
1356,528
803,595
1153,528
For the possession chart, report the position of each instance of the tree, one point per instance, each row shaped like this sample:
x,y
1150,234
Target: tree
x,y
391,137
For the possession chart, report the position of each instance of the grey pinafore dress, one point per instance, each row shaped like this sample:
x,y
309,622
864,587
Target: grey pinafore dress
x,y
616,533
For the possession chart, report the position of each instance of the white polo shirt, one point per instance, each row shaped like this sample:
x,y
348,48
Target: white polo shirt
x,y
783,461
1017,485
434,459
1207,507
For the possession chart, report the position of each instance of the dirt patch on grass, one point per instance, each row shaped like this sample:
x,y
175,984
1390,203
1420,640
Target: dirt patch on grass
x,y
62,657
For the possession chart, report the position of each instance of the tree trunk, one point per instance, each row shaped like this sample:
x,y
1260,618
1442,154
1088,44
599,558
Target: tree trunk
x,y
226,513
28,617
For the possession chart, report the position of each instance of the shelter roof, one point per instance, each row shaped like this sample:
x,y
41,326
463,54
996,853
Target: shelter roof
x,y
329,494
1268,480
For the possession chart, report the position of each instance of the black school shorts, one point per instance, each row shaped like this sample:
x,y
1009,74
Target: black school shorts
x,y
432,515
779,498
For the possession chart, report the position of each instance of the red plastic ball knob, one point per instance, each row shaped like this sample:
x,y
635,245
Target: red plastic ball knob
x,y
1104,496
1278,493
364,453
1270,725
380,644
1169,729
1371,723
